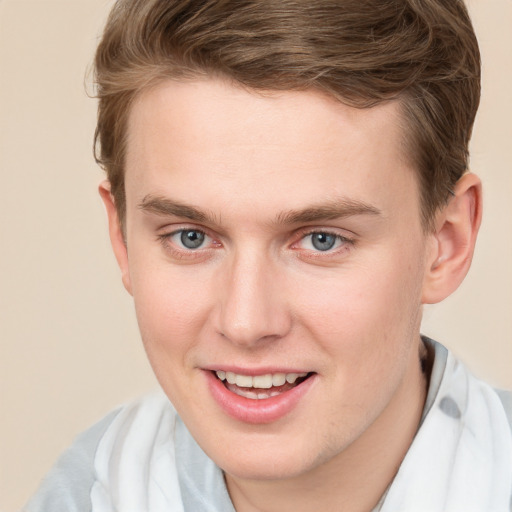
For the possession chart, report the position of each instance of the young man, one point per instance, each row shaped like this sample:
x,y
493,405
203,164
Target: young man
x,y
286,188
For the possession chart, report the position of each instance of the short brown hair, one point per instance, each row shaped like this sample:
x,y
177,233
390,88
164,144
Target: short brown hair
x,y
422,52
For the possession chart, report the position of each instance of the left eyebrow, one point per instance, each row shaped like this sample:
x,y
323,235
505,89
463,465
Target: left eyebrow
x,y
332,210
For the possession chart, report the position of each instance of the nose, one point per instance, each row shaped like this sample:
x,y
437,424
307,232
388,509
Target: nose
x,y
253,307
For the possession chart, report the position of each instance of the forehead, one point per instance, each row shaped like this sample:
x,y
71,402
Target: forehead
x,y
209,140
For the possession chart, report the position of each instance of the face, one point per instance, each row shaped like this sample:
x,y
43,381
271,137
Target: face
x,y
276,258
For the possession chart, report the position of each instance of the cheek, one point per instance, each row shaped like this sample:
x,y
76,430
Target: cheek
x,y
367,317
171,304
170,322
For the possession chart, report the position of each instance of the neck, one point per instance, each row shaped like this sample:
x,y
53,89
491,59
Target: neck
x,y
355,479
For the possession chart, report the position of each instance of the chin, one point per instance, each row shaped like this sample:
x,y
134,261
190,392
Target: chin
x,y
272,468
279,460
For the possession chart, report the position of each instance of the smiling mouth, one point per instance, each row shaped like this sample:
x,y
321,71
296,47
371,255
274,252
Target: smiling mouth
x,y
260,387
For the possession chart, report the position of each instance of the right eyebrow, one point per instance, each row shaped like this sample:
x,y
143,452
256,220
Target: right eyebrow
x,y
164,206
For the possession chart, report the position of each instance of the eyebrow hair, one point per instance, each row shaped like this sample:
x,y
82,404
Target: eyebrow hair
x,y
334,209
165,206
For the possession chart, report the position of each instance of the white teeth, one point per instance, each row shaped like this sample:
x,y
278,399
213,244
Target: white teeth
x,y
278,379
292,377
244,381
262,381
259,381
251,394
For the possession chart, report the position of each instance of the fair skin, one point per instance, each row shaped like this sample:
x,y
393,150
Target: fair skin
x,y
280,233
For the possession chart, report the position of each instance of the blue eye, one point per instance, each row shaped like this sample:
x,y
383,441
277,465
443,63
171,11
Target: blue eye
x,y
323,241
320,241
188,244
190,238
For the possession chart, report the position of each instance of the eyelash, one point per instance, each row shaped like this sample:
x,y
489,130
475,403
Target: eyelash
x,y
181,252
186,253
345,243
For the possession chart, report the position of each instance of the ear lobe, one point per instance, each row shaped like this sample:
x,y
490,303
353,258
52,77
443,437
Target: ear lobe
x,y
116,234
453,241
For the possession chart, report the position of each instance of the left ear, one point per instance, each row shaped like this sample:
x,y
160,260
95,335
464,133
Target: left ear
x,y
453,241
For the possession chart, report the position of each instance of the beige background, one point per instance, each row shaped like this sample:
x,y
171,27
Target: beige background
x,y
69,347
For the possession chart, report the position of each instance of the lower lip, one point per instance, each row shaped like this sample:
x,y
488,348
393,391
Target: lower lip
x,y
250,410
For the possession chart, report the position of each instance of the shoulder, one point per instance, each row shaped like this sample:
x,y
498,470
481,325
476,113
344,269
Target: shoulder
x,y
68,485
506,400
464,439
439,358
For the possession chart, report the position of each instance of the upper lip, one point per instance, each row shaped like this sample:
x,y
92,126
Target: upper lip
x,y
253,372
